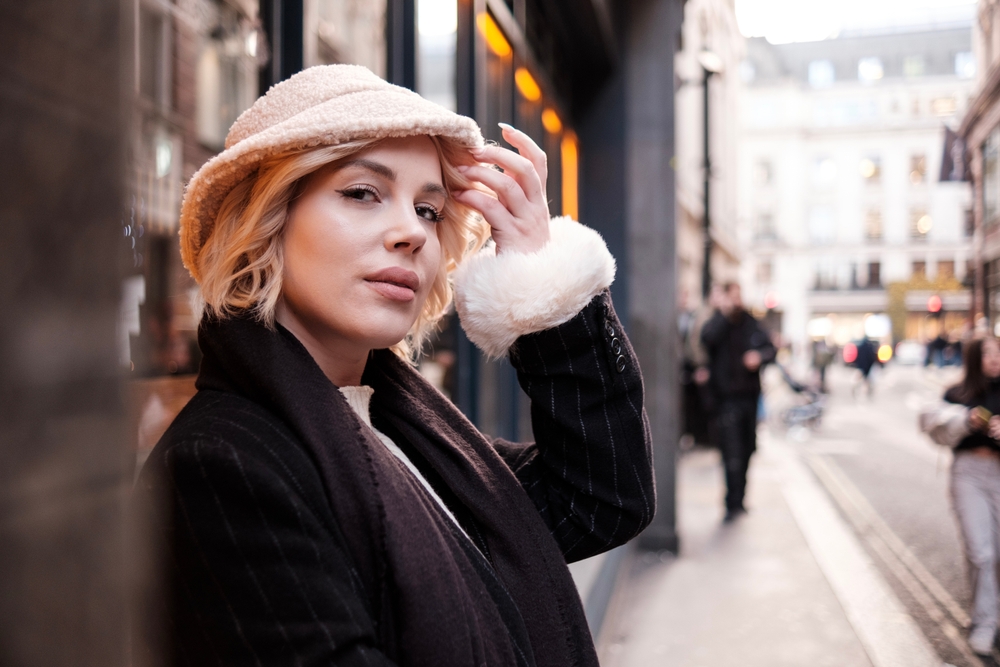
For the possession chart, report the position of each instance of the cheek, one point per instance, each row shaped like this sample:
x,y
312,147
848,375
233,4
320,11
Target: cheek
x,y
316,253
436,248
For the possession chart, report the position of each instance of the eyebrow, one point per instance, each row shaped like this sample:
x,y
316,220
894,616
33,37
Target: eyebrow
x,y
434,189
372,166
387,173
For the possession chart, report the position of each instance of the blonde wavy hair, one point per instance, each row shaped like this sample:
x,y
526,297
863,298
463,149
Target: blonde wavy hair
x,y
242,261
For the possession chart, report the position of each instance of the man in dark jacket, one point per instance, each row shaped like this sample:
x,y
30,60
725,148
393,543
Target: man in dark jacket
x,y
867,357
737,348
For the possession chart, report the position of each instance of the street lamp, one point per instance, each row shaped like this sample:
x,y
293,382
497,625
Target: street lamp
x,y
711,63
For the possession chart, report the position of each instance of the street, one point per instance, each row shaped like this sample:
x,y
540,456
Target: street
x,y
891,483
850,554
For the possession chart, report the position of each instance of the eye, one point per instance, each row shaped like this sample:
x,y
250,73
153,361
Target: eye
x,y
428,212
364,193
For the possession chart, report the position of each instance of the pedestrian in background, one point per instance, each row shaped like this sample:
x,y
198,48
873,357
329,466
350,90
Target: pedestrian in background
x,y
738,347
935,350
968,421
697,398
822,357
867,357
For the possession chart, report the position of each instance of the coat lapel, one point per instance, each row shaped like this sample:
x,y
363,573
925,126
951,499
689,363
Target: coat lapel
x,y
525,555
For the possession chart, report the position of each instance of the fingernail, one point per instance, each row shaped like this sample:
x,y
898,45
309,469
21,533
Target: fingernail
x,y
507,127
462,168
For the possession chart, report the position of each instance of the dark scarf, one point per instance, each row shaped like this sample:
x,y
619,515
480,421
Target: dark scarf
x,y
433,602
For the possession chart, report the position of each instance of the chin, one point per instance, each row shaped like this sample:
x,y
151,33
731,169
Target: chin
x,y
385,332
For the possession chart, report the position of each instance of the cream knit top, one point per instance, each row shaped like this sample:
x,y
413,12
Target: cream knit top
x,y
359,398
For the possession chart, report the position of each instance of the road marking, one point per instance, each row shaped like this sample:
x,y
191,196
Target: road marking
x,y
897,557
888,633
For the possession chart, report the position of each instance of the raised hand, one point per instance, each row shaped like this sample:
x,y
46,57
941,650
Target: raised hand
x,y
519,215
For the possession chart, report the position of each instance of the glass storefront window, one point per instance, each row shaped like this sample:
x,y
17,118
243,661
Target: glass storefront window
x,y
345,31
437,29
991,178
231,48
196,75
154,50
499,77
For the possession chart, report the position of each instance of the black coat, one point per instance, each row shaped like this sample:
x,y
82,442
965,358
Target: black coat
x,y
727,339
989,399
293,536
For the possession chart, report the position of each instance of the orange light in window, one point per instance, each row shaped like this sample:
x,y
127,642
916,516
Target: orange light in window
x,y
527,85
570,160
493,35
550,119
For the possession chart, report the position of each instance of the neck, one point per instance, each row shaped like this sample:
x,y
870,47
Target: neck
x,y
341,361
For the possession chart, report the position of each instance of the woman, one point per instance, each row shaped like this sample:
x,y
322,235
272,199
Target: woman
x,y
969,422
324,505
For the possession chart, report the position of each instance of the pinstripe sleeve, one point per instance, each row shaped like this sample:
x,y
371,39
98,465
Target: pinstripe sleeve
x,y
258,577
589,471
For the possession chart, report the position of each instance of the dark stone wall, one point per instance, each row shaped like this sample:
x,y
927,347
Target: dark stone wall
x,y
64,469
627,190
650,43
603,192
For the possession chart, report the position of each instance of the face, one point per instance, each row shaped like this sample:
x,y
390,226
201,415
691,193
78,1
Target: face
x,y
991,358
361,249
735,296
716,296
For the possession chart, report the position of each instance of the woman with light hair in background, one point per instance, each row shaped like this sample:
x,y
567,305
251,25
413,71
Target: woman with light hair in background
x,y
318,502
968,420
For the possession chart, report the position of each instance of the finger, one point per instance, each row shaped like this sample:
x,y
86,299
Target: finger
x,y
527,147
517,167
495,213
506,188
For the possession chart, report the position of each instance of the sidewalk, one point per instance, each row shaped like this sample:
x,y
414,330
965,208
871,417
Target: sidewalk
x,y
788,584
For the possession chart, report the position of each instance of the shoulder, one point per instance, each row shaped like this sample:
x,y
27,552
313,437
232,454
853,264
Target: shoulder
x,y
749,321
224,436
225,417
954,395
714,322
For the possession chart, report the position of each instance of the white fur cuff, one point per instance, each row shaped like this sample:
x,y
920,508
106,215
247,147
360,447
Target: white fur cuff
x,y
500,298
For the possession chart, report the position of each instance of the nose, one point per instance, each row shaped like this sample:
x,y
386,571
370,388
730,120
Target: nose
x,y
407,232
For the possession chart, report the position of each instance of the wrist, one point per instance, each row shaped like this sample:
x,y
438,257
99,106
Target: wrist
x,y
501,297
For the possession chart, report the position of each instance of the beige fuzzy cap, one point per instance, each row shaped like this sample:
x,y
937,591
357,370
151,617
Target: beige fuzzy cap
x,y
320,106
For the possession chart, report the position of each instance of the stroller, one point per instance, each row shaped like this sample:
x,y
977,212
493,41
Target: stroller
x,y
808,412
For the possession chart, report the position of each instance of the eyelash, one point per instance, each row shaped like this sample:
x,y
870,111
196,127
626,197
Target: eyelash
x,y
436,216
359,189
353,192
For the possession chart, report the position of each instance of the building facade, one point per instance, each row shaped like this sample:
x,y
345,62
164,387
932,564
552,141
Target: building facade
x,y
850,222
710,30
980,132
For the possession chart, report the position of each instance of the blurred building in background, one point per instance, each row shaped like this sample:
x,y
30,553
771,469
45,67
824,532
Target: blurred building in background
x,y
195,70
980,132
851,224
710,37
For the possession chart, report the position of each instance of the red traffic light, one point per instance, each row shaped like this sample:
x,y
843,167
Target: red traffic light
x,y
850,353
934,304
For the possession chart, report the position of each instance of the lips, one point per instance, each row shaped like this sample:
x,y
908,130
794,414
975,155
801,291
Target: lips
x,y
395,283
